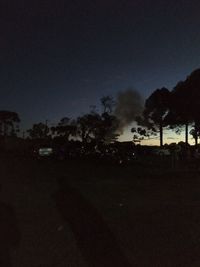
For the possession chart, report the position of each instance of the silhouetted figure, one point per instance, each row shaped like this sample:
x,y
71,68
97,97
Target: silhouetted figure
x,y
96,242
9,234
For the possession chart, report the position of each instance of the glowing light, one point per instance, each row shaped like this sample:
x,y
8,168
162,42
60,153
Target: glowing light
x,y
45,151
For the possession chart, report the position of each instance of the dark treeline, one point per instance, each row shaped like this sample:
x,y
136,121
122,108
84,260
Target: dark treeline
x,y
164,108
91,127
172,109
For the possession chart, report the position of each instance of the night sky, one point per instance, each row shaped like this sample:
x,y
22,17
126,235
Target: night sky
x,y
60,57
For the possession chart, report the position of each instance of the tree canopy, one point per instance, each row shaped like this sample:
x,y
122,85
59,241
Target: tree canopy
x,y
155,111
9,122
38,131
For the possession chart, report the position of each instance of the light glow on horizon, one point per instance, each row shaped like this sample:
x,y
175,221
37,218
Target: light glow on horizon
x,y
169,137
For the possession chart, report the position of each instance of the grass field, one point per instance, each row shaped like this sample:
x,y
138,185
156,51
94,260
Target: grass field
x,y
92,214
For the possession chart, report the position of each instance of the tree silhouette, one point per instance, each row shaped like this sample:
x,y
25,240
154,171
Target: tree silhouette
x,y
99,127
180,108
65,128
155,110
185,104
88,126
192,83
107,103
9,122
38,131
142,132
108,128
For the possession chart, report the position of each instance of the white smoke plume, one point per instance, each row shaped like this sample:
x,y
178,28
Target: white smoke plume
x,y
129,105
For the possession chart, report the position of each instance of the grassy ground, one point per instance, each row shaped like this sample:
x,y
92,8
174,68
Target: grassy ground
x,y
92,214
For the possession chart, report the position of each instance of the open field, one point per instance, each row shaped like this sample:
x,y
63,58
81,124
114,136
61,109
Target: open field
x,y
93,214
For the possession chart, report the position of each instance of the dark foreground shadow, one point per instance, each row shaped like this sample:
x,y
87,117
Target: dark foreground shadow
x,y
9,234
96,242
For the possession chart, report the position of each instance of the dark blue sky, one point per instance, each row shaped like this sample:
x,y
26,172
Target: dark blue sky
x,y
60,57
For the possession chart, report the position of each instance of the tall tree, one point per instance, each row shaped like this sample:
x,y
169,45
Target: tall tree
x,y
108,128
38,131
99,127
107,103
193,97
9,122
87,126
155,110
180,108
186,95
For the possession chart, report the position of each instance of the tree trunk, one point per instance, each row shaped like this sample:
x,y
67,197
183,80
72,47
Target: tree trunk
x,y
186,133
196,140
196,135
161,135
